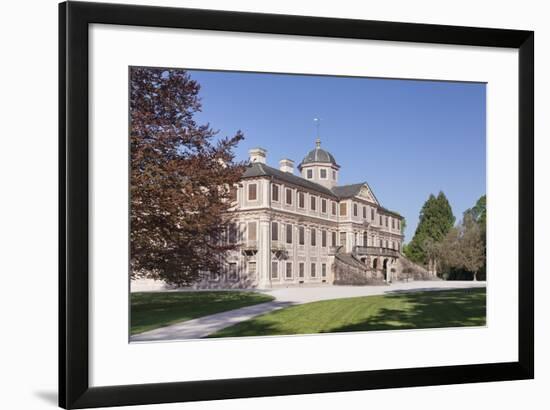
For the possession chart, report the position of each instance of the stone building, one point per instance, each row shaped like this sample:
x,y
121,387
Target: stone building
x,y
305,229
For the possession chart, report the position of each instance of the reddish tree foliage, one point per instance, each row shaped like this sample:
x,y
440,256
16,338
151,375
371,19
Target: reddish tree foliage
x,y
181,180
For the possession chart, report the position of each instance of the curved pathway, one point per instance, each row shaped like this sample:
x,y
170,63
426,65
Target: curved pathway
x,y
284,297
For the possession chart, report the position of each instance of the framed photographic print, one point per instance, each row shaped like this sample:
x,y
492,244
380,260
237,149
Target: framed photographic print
x,y
256,204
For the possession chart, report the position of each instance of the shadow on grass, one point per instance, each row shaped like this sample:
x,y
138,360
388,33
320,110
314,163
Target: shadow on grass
x,y
427,310
396,311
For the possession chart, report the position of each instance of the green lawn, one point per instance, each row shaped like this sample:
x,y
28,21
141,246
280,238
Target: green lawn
x,y
151,310
416,310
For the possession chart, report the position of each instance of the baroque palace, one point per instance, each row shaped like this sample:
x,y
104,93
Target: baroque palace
x,y
307,230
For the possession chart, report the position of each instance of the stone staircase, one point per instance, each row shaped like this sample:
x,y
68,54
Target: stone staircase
x,y
413,271
350,271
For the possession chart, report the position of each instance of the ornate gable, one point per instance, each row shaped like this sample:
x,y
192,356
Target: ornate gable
x,y
366,194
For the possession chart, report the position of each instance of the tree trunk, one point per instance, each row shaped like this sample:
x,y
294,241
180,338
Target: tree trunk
x,y
475,277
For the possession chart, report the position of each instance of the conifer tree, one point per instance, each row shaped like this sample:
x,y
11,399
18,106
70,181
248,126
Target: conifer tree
x,y
436,219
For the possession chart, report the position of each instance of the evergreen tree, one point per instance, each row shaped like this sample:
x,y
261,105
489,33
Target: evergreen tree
x,y
436,220
478,215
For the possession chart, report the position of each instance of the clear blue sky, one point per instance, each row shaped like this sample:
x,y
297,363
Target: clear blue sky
x,y
406,138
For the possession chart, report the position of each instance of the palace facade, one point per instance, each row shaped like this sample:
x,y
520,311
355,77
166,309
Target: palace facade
x,y
305,229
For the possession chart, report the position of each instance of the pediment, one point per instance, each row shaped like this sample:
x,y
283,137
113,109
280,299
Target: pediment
x,y
366,194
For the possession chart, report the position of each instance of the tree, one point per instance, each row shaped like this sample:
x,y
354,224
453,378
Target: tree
x,y
479,211
436,219
463,247
478,214
180,180
472,249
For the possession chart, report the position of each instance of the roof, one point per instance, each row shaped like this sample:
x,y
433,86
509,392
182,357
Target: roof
x,y
318,155
347,191
258,169
389,211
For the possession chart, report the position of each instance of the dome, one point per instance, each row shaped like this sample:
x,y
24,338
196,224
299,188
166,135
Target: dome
x,y
318,155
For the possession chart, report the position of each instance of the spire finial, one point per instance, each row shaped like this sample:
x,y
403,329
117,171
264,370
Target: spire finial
x,y
317,122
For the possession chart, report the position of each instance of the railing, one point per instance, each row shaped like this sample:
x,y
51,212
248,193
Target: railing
x,y
250,244
249,248
375,250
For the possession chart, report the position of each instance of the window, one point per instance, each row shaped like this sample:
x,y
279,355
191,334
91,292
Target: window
x,y
323,174
251,231
301,235
343,209
274,269
324,206
233,193
288,273
309,173
364,212
398,224
232,237
393,223
251,267
301,269
365,239
372,214
312,273
333,239
232,271
313,203
274,231
252,194
333,174
289,196
275,193
343,239
313,237
288,233
354,209
324,239
333,208
301,200
386,244
380,220
324,270
386,221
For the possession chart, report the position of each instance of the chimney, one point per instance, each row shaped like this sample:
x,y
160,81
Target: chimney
x,y
286,165
257,155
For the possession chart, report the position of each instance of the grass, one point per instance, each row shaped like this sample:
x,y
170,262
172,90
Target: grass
x,y
414,310
151,310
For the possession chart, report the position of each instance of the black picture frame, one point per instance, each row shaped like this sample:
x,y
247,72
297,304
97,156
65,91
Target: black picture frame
x,y
74,387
